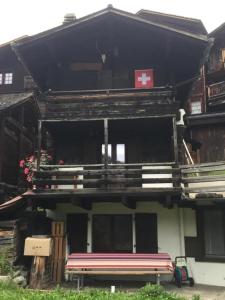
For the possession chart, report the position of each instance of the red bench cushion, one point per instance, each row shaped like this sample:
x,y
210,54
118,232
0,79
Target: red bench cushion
x,y
160,261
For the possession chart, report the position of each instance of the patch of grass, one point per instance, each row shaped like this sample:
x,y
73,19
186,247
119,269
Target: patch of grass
x,y
9,291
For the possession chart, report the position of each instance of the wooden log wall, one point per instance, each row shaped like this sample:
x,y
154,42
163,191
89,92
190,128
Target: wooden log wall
x,y
110,106
212,142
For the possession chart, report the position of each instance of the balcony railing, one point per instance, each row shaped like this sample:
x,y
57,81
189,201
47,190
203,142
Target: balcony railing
x,y
204,180
216,93
114,177
217,89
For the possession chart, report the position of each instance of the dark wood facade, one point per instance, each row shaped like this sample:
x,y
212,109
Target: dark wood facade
x,y
84,72
18,116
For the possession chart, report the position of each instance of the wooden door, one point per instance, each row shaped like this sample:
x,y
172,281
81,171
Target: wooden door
x,y
146,233
77,232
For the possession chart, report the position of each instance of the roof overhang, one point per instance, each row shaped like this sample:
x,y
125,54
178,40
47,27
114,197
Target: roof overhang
x,y
11,101
106,12
35,53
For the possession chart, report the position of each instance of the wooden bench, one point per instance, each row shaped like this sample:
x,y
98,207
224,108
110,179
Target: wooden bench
x,y
126,264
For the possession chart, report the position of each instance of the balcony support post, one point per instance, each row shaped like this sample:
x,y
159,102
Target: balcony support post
x,y
106,142
175,144
39,144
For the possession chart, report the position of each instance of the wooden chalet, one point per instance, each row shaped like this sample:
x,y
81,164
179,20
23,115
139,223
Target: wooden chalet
x,y
123,177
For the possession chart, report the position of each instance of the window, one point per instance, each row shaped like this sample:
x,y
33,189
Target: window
x,y
116,153
196,107
8,78
214,233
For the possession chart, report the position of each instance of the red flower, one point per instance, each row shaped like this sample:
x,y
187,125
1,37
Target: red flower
x,y
31,158
22,163
26,171
61,162
29,178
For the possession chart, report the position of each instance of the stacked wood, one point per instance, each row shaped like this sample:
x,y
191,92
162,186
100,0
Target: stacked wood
x,y
58,253
40,275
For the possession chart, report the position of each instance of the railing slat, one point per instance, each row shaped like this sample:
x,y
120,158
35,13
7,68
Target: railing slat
x,y
203,179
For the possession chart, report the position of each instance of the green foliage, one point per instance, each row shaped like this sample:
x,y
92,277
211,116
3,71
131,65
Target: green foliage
x,y
9,291
156,292
5,266
196,297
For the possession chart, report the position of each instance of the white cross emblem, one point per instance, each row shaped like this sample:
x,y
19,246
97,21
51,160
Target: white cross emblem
x,y
144,78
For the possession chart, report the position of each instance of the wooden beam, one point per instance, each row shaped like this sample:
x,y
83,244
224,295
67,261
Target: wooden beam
x,y
83,203
175,144
129,203
94,192
2,137
64,119
106,141
39,144
45,174
108,180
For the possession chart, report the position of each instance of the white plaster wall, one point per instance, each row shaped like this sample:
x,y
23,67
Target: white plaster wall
x,y
168,221
170,235
202,272
207,272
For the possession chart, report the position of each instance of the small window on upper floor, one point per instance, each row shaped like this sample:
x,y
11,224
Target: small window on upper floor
x,y
8,78
1,78
196,107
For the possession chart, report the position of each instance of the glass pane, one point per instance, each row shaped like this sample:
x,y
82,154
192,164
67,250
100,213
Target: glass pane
x,y
109,152
214,233
120,153
8,78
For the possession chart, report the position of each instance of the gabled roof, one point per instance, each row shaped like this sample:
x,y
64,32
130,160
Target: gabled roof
x,y
218,30
177,22
8,101
110,11
7,44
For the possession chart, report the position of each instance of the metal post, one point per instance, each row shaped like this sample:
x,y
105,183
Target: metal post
x,y
158,279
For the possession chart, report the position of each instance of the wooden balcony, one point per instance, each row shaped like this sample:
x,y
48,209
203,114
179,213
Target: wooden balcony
x,y
196,182
115,180
116,103
216,93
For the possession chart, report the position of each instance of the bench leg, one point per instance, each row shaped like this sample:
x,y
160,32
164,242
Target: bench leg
x,y
158,279
82,281
78,283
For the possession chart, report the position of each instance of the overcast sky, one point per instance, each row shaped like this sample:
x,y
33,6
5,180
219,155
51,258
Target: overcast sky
x,y
27,17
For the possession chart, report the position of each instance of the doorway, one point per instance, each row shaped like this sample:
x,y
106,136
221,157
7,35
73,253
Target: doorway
x,y
112,234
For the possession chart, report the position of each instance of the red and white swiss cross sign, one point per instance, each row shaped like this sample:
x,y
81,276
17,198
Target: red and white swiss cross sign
x,y
144,79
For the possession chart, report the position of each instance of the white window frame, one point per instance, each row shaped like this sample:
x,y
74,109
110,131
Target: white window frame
x,y
196,107
8,78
